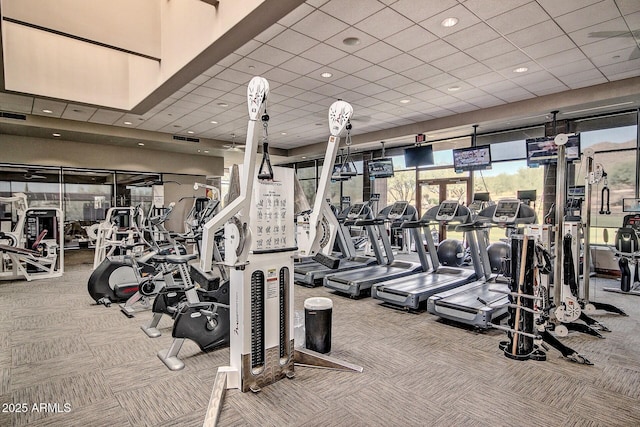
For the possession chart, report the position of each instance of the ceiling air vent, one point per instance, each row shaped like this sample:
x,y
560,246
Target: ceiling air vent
x,y
14,116
185,138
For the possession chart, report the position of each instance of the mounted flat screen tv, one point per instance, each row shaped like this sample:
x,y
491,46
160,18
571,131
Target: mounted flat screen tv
x,y
543,151
471,159
418,156
380,168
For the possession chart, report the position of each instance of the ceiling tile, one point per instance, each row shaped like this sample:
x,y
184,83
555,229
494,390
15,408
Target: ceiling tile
x,y
319,25
196,99
229,60
549,47
410,38
352,11
306,83
56,107
454,61
519,18
279,75
401,63
470,70
364,40
507,60
628,6
248,65
296,15
378,52
421,72
613,28
604,10
270,33
485,79
411,88
581,76
220,84
248,47
439,80
394,80
614,56
300,65
556,8
270,55
373,73
486,9
535,34
350,64
465,19
292,42
329,90
491,49
106,117
485,101
287,91
631,67
208,92
323,54
575,67
349,82
420,10
515,94
371,89
389,95
586,83
472,36
384,23
15,103
610,44
434,50
561,58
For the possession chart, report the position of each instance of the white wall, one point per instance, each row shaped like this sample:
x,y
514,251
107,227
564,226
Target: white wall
x,y
48,152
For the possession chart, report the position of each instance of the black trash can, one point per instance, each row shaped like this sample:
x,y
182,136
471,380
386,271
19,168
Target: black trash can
x,y
317,319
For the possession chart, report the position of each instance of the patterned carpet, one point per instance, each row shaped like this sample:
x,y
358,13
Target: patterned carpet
x,y
57,348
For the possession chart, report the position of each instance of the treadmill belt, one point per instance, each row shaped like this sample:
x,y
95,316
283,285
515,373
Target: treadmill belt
x,y
475,298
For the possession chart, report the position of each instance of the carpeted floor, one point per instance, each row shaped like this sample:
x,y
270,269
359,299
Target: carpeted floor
x,y
56,347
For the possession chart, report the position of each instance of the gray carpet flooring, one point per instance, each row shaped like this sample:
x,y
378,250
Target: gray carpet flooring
x,y
58,348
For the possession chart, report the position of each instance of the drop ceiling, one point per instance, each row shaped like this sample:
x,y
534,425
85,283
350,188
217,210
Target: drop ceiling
x,y
404,73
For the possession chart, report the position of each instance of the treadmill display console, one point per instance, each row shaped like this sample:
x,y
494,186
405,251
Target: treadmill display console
x,y
506,211
447,211
397,210
355,211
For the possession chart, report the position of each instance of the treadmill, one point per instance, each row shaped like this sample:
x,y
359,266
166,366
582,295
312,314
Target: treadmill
x,y
355,282
478,303
311,273
412,291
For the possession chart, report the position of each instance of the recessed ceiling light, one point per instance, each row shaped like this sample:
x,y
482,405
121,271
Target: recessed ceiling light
x,y
141,144
405,101
198,151
251,67
222,104
47,111
128,123
206,151
453,88
351,41
283,133
213,122
304,157
190,131
449,22
57,135
521,70
326,75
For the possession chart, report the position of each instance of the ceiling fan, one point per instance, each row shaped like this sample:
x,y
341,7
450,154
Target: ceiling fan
x,y
29,175
635,54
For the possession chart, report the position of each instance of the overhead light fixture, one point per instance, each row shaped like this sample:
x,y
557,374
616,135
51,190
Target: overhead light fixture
x,y
449,22
304,157
405,101
283,133
190,132
206,151
584,110
326,75
453,88
251,67
521,70
47,111
57,135
222,104
141,144
351,41
213,122
128,123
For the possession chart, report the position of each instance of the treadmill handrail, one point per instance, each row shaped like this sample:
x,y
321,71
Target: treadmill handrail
x,y
365,222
